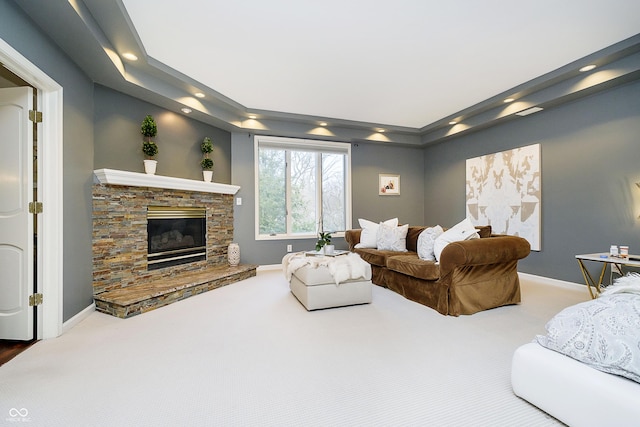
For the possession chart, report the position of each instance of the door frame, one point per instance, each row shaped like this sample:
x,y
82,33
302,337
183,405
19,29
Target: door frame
x,y
50,222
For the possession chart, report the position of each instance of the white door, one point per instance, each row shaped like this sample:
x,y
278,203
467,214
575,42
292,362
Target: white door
x,y
16,223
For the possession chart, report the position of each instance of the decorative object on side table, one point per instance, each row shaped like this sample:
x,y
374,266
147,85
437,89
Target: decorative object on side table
x,y
233,253
206,163
616,265
324,243
149,129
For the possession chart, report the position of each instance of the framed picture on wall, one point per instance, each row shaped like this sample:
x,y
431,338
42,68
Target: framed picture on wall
x,y
388,185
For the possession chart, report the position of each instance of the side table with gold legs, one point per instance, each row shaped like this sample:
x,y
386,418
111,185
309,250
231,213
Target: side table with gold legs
x,y
616,264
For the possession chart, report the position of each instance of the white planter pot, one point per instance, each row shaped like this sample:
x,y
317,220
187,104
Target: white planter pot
x,y
150,167
207,175
328,249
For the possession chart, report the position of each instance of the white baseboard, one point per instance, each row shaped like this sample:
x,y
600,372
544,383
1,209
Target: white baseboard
x,y
66,326
270,267
550,281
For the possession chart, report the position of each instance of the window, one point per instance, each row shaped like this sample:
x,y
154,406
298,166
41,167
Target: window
x,y
302,187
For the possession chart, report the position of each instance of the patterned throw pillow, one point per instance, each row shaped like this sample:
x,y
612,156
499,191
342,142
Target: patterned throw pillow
x,y
392,238
426,241
369,234
603,333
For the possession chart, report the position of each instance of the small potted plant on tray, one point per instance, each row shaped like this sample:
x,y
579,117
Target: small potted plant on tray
x,y
324,243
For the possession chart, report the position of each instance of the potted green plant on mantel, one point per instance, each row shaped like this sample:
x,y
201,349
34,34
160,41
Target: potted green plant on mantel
x,y
206,163
324,243
149,129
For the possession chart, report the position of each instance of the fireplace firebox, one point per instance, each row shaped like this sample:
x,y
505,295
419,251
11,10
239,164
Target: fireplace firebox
x,y
175,236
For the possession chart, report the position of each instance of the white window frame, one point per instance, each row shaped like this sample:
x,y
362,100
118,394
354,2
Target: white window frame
x,y
300,144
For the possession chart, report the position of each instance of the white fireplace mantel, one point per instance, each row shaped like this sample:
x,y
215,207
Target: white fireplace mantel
x,y
135,179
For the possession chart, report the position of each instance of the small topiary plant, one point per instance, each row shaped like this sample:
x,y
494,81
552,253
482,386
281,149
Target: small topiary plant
x,y
149,129
206,147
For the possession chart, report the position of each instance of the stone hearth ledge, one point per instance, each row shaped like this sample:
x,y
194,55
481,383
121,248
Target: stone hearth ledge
x,y
135,179
138,299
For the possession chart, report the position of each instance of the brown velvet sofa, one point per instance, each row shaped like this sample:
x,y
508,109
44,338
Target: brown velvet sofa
x,y
472,275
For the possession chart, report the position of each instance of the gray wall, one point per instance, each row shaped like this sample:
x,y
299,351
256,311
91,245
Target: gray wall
x,y
590,164
367,161
589,167
24,36
118,141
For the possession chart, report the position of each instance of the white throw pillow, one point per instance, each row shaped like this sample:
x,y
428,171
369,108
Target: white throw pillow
x,y
464,230
392,238
369,234
426,241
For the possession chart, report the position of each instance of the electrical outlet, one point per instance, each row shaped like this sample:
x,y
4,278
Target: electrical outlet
x,y
289,248
238,201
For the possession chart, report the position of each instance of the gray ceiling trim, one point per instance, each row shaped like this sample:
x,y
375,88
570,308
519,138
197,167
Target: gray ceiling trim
x,y
571,86
95,32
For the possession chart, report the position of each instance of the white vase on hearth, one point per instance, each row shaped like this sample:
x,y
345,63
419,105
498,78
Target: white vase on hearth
x,y
207,175
233,254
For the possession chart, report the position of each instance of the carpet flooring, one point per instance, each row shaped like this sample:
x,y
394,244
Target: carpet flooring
x,y
249,354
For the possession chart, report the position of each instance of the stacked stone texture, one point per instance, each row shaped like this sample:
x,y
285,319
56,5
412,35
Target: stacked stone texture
x,y
120,233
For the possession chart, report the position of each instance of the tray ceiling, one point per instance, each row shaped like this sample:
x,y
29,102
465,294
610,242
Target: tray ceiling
x,y
405,63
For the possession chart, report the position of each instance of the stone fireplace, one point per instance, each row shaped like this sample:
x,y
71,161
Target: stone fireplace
x,y
132,240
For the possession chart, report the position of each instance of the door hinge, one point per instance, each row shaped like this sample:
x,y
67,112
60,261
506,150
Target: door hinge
x,y
35,299
35,116
35,207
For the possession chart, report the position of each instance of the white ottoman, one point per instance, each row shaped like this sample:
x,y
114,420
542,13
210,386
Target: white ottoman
x,y
315,288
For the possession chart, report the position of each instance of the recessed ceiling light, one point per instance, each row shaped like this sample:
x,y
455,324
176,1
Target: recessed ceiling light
x,y
508,100
199,95
252,116
323,123
587,68
130,56
453,122
186,110
381,130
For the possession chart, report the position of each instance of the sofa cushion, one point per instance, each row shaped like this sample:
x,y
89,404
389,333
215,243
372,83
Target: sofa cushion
x,y
392,238
411,265
426,240
374,256
369,235
464,230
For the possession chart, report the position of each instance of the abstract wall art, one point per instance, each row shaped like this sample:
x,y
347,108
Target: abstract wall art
x,y
503,190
